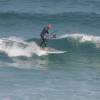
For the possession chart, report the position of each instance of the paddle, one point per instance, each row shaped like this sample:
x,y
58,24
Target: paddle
x,y
51,35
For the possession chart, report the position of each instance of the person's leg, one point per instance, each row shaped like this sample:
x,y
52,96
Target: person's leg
x,y
43,41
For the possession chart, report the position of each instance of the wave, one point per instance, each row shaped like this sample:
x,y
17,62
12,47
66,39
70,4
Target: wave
x,y
74,42
81,43
79,37
14,46
82,37
20,53
22,23
83,21
42,15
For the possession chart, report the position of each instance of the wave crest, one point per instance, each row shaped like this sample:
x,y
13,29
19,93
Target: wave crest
x,y
83,38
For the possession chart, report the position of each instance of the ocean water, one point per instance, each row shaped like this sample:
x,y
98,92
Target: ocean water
x,y
27,73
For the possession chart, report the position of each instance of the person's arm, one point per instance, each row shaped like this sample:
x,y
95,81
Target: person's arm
x,y
47,32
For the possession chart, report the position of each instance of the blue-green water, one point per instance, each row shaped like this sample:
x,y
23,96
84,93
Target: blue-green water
x,y
74,75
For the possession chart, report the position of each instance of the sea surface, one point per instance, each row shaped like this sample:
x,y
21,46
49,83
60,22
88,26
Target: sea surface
x,y
27,73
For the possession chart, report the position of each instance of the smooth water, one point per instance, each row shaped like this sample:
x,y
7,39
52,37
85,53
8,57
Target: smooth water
x,y
74,75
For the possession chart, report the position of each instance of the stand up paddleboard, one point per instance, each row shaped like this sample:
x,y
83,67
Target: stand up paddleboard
x,y
52,50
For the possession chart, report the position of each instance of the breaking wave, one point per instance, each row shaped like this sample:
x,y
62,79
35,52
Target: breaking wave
x,y
14,46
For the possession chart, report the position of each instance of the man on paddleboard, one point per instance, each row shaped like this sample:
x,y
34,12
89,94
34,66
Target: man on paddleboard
x,y
43,34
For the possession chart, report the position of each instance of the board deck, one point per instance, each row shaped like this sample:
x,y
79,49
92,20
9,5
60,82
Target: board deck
x,y
52,50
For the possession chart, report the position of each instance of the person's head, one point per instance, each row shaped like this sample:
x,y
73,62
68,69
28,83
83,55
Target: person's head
x,y
49,26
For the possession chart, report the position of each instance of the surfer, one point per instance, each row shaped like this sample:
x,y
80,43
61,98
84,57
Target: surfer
x,y
43,34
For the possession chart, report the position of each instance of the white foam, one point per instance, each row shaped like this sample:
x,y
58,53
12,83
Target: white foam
x,y
83,38
14,46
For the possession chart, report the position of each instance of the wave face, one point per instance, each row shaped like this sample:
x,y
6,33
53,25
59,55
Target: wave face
x,y
14,46
26,25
